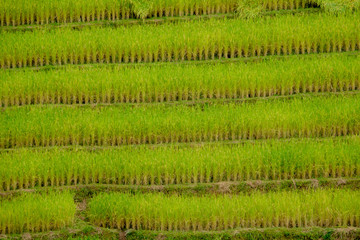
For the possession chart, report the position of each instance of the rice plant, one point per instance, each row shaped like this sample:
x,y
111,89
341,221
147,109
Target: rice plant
x,y
249,9
269,160
323,208
337,7
145,84
195,40
35,212
22,12
61,126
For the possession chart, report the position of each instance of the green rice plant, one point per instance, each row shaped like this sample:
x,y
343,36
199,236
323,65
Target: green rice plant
x,y
249,9
334,74
337,7
21,12
35,212
265,160
323,208
195,40
169,83
61,126
61,11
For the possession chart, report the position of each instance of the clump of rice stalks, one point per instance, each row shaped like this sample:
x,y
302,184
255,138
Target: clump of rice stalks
x,y
249,9
36,213
141,8
61,126
265,160
195,40
337,7
323,208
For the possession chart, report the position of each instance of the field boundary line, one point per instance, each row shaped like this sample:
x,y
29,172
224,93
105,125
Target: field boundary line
x,y
83,228
224,187
255,59
194,103
180,144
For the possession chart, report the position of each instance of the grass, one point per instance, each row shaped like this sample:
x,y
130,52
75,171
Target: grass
x,y
35,212
21,12
338,7
56,126
195,40
161,124
268,160
155,20
148,84
112,139
323,208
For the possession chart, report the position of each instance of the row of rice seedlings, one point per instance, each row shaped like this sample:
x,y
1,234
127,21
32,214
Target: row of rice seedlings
x,y
59,126
21,12
146,84
35,212
195,40
268,160
322,208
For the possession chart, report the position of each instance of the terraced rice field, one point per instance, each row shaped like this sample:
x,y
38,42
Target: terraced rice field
x,y
174,119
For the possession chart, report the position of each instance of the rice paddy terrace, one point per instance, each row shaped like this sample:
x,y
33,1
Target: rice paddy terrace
x,y
180,119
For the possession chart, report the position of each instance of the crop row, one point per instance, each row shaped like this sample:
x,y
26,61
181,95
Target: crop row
x,y
15,12
146,84
325,208
59,126
34,213
269,160
282,209
196,40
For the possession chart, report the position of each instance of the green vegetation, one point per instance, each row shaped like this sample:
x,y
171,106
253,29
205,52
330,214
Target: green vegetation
x,y
313,233
180,119
88,232
281,209
196,40
20,12
337,7
145,84
59,126
268,160
34,212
